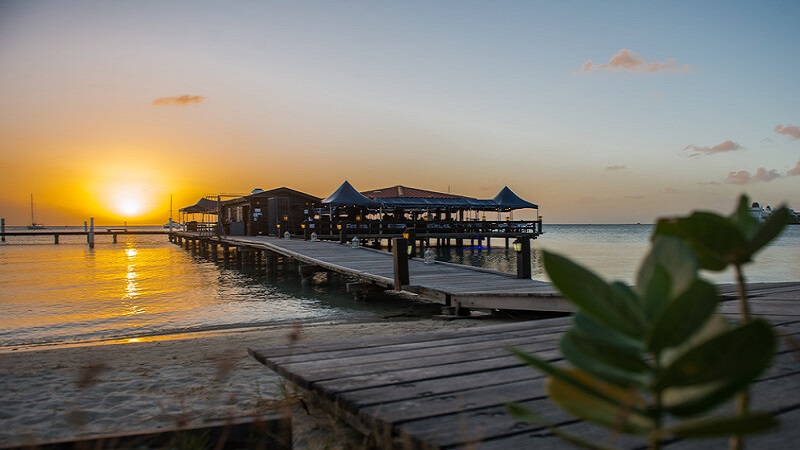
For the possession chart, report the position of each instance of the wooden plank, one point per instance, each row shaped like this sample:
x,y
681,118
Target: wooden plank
x,y
450,389
463,286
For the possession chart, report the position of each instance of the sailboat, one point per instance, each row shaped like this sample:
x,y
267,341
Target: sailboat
x,y
34,225
171,224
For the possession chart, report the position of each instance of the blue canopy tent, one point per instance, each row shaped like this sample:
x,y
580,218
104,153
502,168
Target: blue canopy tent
x,y
507,200
346,195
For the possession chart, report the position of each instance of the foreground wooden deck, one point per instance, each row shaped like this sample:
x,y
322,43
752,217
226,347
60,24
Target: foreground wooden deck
x,y
449,390
454,285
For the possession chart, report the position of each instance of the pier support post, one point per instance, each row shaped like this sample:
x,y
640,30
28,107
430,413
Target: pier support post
x,y
3,230
400,257
55,239
90,234
226,253
523,257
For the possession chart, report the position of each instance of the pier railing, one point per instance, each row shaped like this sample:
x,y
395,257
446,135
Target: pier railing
x,y
426,227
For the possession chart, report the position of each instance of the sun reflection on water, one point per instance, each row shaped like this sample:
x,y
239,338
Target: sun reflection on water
x,y
132,286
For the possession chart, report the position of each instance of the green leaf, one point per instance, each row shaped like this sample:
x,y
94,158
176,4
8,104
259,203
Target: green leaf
x,y
723,426
563,374
614,305
744,221
605,360
714,370
519,412
740,352
770,229
522,413
716,240
593,330
622,414
669,269
684,316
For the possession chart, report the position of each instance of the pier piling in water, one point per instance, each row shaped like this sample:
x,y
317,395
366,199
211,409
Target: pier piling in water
x,y
90,234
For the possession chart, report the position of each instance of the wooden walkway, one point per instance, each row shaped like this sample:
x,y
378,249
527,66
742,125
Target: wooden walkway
x,y
448,390
454,285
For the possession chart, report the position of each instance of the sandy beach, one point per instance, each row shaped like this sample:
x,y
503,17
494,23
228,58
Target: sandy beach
x,y
77,391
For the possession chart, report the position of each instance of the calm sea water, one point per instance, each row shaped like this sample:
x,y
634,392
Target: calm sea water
x,y
145,286
616,251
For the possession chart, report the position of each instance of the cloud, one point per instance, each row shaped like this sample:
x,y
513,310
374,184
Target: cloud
x,y
627,60
789,130
613,168
181,100
727,146
794,172
745,177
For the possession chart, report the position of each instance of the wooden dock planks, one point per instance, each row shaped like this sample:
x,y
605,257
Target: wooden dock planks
x,y
449,389
453,284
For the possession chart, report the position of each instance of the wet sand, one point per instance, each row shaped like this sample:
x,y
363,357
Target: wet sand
x,y
66,392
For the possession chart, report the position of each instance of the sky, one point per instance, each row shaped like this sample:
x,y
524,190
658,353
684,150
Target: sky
x,y
599,112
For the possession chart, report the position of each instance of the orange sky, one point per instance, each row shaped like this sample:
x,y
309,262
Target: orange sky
x,y
599,114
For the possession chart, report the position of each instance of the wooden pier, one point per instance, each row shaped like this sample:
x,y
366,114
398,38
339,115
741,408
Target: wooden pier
x,y
105,231
449,390
456,286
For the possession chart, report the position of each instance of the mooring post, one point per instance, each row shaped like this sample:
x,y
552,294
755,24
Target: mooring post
x,y
524,258
90,233
400,257
3,230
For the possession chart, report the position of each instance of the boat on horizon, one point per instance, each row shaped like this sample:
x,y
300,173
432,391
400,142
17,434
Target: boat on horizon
x,y
34,225
762,213
173,224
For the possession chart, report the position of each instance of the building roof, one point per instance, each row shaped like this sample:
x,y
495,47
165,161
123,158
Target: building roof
x,y
203,206
507,200
407,192
346,195
276,192
283,192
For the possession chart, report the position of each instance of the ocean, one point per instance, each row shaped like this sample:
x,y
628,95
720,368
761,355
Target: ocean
x,y
144,286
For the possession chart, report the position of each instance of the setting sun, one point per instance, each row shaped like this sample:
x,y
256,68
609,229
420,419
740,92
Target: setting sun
x,y
129,205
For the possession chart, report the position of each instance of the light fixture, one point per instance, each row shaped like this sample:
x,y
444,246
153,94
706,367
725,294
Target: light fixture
x,y
338,226
409,248
406,234
517,246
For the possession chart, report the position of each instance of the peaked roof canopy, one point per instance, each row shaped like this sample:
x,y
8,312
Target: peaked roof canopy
x,y
507,199
203,206
346,195
406,197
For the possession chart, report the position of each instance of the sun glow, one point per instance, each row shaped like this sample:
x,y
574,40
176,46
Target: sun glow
x,y
129,191
129,206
